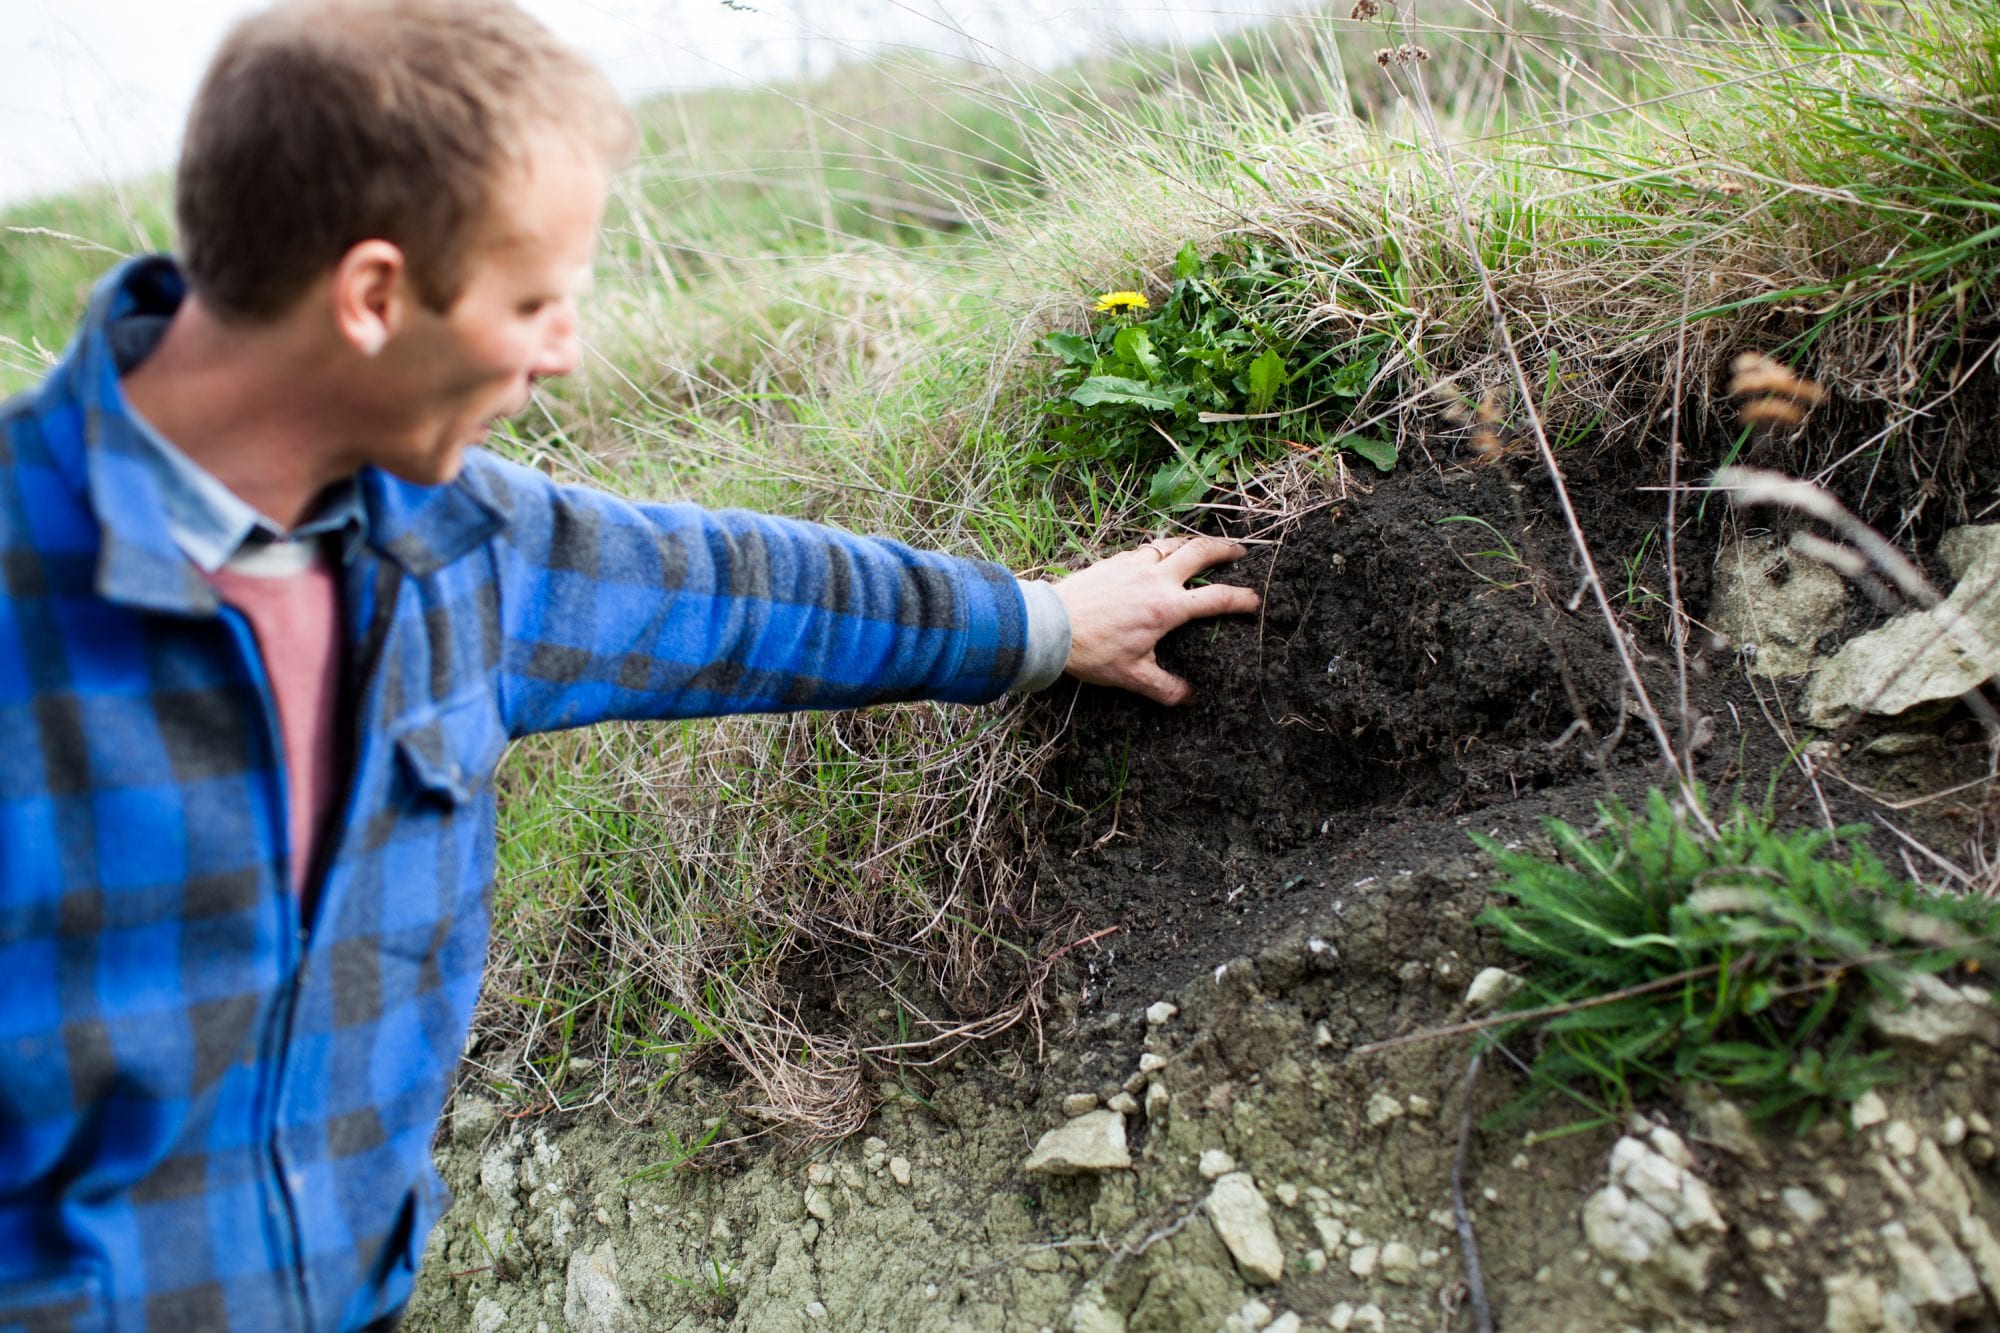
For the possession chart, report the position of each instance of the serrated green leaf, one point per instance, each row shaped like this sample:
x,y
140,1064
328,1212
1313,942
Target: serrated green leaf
x,y
1267,375
1135,345
1382,453
1073,348
1176,485
1188,262
1100,389
1352,380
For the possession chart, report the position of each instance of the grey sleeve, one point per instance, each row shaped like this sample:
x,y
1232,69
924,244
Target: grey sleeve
x,y
1048,638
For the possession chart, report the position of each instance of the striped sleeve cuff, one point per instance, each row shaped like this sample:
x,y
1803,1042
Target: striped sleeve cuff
x,y
1047,649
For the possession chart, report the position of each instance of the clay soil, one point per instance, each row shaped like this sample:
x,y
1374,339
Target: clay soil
x,y
1288,863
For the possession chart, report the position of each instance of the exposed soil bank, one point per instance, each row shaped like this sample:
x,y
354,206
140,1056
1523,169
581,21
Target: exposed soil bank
x,y
1287,864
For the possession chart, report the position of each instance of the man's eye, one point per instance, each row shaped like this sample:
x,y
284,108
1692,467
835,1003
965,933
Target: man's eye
x,y
534,307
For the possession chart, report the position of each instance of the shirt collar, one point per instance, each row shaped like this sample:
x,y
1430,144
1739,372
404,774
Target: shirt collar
x,y
210,523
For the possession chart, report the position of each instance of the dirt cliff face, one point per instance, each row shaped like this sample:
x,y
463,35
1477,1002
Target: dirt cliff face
x,y
1278,875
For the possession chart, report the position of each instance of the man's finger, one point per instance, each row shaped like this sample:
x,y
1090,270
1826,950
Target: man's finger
x,y
1159,684
1197,554
1220,599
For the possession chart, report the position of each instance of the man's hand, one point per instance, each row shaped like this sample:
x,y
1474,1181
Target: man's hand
x,y
1121,607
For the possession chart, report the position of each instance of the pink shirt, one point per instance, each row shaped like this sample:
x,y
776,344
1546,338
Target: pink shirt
x,y
291,598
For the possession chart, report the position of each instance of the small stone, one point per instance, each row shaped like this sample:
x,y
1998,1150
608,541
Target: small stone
x,y
1157,1098
1242,1220
1399,1263
1422,1107
1089,1144
1760,1238
1342,1317
819,1173
1493,985
1322,1036
1362,1262
1932,1017
1978,1123
1382,1108
1429,1258
1288,1194
1150,1063
1161,1013
815,1310
1370,1319
872,1145
1900,1137
1215,1164
1953,1132
1124,1103
899,1171
1979,1150
1520,1161
1670,1146
818,1204
1868,1110
1079,1103
1803,1204
1255,1314
1288,1322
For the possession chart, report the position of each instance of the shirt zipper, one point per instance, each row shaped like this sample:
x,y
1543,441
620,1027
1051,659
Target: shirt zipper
x,y
277,1037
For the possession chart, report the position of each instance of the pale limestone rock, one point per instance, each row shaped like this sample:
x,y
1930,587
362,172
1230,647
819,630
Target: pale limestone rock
x,y
1157,1098
1091,1315
1493,985
1399,1263
1242,1219
489,1316
1777,603
1721,1123
1670,1146
1934,1018
1288,1322
1151,1063
1803,1204
1215,1163
899,1171
1079,1103
1382,1108
1088,1144
1868,1110
1655,1219
1162,1012
1124,1103
593,1301
1900,1138
1362,1262
1935,1278
1908,662
1853,1304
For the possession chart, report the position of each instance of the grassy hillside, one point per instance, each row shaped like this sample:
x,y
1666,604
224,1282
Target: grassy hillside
x,y
1530,228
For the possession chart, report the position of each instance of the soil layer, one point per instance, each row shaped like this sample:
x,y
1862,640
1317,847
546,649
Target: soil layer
x,y
1277,875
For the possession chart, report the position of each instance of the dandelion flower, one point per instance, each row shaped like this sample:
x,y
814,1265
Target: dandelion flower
x,y
1122,301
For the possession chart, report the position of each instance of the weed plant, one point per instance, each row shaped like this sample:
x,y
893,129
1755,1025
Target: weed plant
x,y
1746,961
1203,387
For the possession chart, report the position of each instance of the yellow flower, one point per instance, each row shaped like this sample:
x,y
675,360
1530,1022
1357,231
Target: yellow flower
x,y
1122,301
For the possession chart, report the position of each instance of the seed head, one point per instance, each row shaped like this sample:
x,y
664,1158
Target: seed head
x,y
1365,10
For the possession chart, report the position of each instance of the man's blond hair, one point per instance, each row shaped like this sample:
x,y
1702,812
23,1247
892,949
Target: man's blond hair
x,y
324,123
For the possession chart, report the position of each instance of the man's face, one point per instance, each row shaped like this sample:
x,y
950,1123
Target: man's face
x,y
451,376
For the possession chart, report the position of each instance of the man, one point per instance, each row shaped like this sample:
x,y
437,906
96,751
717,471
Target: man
x,y
270,621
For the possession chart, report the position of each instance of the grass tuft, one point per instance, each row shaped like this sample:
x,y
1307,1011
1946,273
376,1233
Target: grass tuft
x,y
1747,961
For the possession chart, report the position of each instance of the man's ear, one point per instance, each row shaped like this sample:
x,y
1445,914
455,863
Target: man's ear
x,y
371,295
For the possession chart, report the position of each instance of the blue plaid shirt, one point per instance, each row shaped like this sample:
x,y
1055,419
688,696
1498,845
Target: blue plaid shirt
x,y
215,1114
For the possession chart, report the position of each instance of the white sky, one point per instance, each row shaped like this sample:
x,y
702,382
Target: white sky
x,y
96,89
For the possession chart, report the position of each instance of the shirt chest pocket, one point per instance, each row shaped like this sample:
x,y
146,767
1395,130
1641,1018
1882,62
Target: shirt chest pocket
x,y
448,753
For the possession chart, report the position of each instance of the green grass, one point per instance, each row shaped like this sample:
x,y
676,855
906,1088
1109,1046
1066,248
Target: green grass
x,y
1659,957
838,300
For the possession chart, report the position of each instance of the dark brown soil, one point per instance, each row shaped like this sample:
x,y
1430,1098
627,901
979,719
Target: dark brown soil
x,y
1426,658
